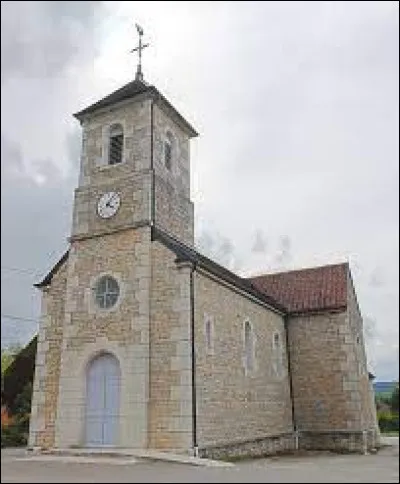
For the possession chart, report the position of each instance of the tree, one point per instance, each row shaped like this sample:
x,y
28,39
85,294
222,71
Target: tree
x,y
7,356
394,400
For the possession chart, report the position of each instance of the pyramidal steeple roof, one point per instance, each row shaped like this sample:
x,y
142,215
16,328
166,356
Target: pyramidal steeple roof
x,y
131,91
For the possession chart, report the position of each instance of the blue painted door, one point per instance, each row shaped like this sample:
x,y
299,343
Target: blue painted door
x,y
102,401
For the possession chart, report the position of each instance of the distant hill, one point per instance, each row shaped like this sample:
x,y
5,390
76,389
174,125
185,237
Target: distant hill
x,y
384,387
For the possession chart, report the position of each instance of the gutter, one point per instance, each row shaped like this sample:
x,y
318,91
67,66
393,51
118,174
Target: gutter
x,y
295,430
193,363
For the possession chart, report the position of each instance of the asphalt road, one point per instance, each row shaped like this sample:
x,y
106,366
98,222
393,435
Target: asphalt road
x,y
381,467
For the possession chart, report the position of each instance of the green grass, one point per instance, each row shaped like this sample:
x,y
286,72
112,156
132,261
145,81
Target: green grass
x,y
391,433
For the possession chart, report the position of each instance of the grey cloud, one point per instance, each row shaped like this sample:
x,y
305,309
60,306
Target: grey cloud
x,y
205,243
260,242
11,158
284,255
73,147
42,38
35,226
377,277
370,327
219,248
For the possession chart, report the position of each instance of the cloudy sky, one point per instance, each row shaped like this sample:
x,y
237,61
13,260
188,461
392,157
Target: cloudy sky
x,y
296,163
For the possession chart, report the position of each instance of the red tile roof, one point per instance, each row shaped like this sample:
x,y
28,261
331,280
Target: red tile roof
x,y
305,290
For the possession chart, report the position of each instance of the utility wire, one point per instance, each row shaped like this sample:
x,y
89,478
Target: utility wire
x,y
9,316
20,271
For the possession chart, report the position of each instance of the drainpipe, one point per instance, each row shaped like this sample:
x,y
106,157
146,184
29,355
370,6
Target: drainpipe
x,y
193,357
296,434
153,184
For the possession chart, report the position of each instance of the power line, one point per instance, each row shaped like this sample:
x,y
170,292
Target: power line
x,y
21,271
9,316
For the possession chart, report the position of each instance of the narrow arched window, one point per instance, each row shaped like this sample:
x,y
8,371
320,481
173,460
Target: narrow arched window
x,y
168,150
208,333
116,143
276,343
248,346
277,363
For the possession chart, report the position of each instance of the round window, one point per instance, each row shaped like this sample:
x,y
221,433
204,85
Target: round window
x,y
106,292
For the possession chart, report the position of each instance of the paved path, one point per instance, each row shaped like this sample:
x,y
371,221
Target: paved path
x,y
381,467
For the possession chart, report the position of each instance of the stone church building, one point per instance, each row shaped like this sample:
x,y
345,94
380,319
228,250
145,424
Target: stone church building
x,y
145,343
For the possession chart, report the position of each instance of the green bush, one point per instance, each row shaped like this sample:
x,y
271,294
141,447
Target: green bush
x,y
16,433
388,422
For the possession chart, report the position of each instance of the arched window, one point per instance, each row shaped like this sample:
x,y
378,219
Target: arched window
x,y
116,143
208,329
248,346
277,355
168,150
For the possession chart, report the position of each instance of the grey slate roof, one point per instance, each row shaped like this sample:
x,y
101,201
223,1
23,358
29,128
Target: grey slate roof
x,y
130,91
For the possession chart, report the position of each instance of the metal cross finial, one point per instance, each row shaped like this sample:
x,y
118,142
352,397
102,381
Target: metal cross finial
x,y
139,48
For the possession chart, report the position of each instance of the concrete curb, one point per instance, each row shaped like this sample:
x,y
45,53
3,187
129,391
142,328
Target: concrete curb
x,y
183,459
132,454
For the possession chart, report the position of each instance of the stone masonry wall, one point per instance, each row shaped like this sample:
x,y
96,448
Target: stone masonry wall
x,y
324,398
235,406
174,214
47,369
121,330
134,210
179,174
173,209
135,120
131,179
170,415
367,400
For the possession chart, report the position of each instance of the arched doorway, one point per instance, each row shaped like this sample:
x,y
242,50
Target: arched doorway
x,y
103,378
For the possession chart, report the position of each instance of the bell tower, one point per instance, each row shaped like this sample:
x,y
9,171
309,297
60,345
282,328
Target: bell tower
x,y
135,164
92,372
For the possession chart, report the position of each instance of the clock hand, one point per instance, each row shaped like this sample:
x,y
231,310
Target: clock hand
x,y
111,199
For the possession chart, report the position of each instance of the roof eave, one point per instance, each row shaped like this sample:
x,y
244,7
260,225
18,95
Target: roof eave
x,y
187,254
316,311
150,91
185,125
47,279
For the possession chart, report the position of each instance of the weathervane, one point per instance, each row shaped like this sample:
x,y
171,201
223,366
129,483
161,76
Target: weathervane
x,y
139,48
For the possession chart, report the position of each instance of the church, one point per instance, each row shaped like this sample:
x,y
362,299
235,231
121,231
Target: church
x,y
145,343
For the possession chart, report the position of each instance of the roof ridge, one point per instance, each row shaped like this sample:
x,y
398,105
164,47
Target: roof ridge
x,y
303,269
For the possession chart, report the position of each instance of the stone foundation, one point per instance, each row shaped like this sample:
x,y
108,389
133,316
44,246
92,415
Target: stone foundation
x,y
256,448
373,437
338,441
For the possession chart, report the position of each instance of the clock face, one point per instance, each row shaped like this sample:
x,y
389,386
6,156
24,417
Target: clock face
x,y
108,204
